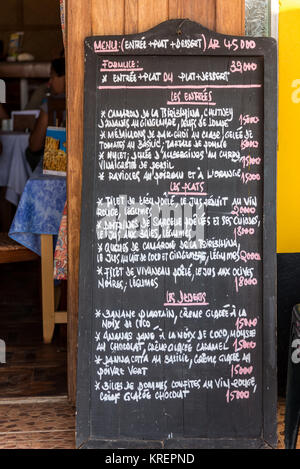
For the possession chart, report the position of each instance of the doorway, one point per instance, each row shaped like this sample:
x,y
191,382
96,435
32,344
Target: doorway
x,y
30,38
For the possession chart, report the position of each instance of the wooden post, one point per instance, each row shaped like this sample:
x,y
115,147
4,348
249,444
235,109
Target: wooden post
x,y
230,17
100,17
47,287
79,16
194,10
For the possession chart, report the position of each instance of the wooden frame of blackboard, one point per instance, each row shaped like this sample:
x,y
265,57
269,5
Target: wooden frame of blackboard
x,y
266,48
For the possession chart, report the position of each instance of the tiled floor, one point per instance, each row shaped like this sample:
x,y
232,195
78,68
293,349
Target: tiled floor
x,y
44,424
50,424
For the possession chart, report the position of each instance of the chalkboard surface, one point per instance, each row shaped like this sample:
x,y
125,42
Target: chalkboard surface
x,y
177,260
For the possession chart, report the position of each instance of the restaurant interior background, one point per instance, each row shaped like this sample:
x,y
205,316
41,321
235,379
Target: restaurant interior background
x,y
32,367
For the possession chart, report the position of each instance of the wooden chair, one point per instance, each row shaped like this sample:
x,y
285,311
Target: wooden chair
x,y
56,111
11,251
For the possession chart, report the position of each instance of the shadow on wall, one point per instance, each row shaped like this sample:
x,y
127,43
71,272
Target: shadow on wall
x,y
288,294
288,197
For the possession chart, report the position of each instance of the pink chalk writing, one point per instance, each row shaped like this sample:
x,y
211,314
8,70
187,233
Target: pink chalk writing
x,y
198,96
243,344
244,120
249,144
106,46
176,87
244,322
238,370
231,395
241,231
190,103
249,256
187,193
241,67
186,299
188,188
121,69
244,282
248,177
243,210
119,65
250,161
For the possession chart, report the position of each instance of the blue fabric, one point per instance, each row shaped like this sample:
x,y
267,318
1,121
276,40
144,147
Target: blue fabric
x,y
14,169
40,210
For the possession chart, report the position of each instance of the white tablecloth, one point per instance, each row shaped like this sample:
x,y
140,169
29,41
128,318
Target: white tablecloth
x,y
14,168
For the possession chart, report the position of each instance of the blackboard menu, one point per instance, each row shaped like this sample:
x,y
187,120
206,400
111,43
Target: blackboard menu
x,y
177,261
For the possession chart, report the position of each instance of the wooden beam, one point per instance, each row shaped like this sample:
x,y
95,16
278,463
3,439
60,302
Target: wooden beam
x,y
111,18
230,17
30,27
25,69
131,17
151,13
203,12
78,26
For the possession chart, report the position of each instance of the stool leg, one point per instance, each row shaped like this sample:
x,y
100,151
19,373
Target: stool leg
x,y
47,287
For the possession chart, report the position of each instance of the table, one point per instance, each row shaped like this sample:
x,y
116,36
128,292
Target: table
x,y
35,224
14,168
